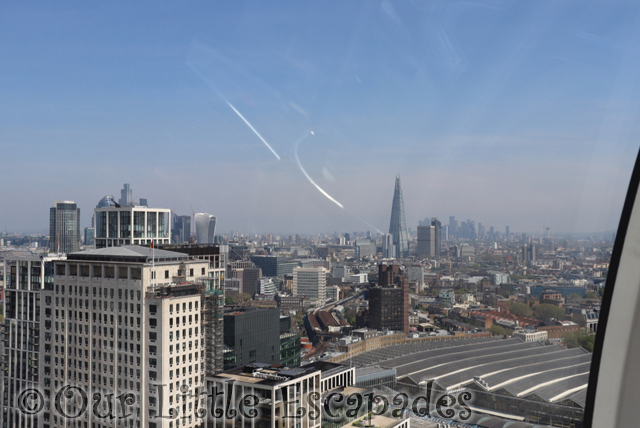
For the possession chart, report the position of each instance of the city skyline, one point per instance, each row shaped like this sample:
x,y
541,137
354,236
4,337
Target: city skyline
x,y
527,124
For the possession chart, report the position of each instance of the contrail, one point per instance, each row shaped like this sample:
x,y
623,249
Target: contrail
x,y
254,130
212,86
295,153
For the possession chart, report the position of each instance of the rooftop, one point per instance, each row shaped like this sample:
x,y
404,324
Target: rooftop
x,y
128,253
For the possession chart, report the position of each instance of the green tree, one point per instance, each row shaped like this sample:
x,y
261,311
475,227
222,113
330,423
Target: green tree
x,y
546,311
229,301
520,309
461,291
590,295
243,297
581,338
497,330
435,291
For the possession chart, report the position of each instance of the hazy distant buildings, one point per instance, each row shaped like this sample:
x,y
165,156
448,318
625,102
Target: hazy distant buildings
x,y
181,229
133,224
125,195
205,228
397,225
365,248
64,227
89,235
388,249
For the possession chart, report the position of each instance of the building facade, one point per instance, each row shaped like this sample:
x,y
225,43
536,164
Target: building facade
x,y
310,282
23,327
131,225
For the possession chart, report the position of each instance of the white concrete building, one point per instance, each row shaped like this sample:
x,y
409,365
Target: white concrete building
x,y
531,335
133,224
117,323
310,282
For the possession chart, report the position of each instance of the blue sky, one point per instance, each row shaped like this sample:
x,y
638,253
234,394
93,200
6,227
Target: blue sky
x,y
518,113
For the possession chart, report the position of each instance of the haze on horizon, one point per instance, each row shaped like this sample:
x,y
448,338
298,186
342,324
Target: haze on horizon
x,y
296,117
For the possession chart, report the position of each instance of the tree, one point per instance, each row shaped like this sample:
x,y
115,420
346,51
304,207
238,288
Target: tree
x,y
243,297
546,311
435,291
229,301
461,291
497,330
590,295
582,337
520,310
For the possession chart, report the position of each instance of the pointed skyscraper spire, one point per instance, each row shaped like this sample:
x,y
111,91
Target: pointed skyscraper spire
x,y
398,226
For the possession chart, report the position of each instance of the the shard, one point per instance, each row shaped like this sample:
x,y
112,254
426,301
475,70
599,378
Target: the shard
x,y
398,226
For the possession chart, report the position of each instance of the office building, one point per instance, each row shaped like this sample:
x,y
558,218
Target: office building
x,y
132,224
64,227
125,196
248,274
181,229
205,228
310,282
268,264
89,236
115,321
22,365
397,225
253,335
389,301
388,248
365,248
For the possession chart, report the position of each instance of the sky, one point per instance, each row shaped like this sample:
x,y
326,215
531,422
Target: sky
x,y
295,117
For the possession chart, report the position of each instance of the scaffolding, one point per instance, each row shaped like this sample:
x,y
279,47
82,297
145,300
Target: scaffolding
x,y
213,326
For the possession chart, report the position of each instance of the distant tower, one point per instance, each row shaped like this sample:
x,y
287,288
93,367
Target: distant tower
x,y
64,227
125,195
205,228
398,226
507,234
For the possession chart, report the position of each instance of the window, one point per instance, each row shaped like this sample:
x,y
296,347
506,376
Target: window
x,y
166,274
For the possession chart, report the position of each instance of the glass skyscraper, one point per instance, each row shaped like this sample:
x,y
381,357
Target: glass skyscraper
x,y
64,227
398,226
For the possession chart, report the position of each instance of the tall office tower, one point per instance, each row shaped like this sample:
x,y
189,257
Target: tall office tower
x,y
429,239
310,282
423,246
205,228
397,225
507,234
481,231
445,233
248,274
389,301
437,236
64,227
453,227
125,195
181,229
89,235
547,233
126,225
115,322
22,365
388,249
143,202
